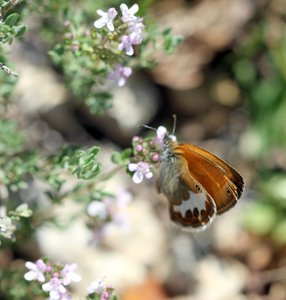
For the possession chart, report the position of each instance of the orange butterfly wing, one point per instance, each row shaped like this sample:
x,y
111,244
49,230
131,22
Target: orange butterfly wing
x,y
222,182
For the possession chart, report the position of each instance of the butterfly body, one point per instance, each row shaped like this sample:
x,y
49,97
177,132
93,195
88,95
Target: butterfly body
x,y
198,184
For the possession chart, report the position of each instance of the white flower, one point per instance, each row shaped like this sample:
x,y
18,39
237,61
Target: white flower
x,y
36,270
135,30
160,137
161,132
55,288
7,227
106,19
97,209
136,38
128,14
96,287
141,169
68,274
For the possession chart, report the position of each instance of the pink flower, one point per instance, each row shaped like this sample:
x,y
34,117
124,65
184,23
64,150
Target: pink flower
x,y
139,148
135,139
69,35
106,19
55,288
120,74
104,296
126,43
128,14
141,169
67,23
68,274
155,157
36,270
74,47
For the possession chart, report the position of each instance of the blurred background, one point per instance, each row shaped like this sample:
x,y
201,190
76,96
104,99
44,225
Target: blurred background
x,y
226,82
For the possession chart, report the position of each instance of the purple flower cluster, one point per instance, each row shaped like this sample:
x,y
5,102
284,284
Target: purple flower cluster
x,y
131,35
134,32
108,214
54,279
146,155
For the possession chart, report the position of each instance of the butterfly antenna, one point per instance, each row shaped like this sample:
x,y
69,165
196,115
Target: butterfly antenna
x,y
146,126
174,124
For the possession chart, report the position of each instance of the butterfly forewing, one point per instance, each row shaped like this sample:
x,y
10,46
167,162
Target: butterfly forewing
x,y
221,182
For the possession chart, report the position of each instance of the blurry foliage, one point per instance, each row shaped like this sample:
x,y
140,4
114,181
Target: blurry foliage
x,y
10,26
7,83
258,66
15,161
13,287
82,163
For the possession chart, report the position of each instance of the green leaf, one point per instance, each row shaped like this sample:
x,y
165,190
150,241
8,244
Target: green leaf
x,y
122,158
11,19
83,163
20,30
23,211
170,42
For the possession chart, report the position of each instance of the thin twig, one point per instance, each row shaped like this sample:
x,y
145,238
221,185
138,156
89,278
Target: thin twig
x,y
8,70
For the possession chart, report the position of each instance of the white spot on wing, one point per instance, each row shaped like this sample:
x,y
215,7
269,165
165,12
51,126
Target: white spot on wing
x,y
196,200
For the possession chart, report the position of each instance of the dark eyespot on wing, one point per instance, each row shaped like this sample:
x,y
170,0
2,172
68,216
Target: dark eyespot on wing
x,y
192,214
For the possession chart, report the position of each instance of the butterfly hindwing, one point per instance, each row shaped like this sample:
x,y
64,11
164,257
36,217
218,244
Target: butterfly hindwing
x,y
190,206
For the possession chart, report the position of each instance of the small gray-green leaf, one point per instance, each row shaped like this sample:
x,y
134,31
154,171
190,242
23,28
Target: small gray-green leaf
x,y
20,30
11,19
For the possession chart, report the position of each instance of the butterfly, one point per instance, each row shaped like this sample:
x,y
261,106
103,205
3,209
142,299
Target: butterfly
x,y
198,184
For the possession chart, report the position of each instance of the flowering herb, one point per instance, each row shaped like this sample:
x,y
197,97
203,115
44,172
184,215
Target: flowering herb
x,y
98,289
146,155
108,212
129,32
54,279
